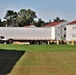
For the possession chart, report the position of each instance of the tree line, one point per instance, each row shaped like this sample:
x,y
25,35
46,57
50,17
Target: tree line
x,y
23,18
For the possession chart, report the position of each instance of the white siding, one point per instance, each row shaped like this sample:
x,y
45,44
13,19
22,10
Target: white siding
x,y
53,33
60,31
71,32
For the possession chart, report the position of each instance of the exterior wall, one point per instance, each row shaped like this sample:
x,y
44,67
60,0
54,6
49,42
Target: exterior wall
x,y
71,32
53,33
60,31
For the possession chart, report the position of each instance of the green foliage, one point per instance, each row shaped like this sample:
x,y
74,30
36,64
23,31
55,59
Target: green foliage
x,y
39,47
59,20
40,23
21,18
10,17
1,23
26,17
4,23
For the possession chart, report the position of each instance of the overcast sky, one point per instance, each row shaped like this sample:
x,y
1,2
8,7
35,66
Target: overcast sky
x,y
45,9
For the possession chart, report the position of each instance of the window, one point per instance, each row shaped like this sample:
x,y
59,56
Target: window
x,y
64,35
58,27
74,27
64,28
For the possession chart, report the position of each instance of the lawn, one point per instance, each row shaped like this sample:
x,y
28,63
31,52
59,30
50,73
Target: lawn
x,y
41,59
38,47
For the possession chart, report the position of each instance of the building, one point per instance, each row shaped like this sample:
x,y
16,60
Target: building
x,y
71,31
58,30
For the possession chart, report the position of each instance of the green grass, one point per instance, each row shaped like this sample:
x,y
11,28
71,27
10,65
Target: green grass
x,y
43,59
46,63
38,47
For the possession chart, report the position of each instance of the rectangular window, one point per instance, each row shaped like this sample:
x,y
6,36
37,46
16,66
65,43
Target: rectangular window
x,y
64,35
58,27
74,27
64,28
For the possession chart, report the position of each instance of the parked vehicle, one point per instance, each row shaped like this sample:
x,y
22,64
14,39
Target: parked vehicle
x,y
31,35
5,41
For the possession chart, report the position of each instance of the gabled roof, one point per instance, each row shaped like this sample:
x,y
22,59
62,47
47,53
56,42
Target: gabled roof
x,y
72,23
52,24
29,26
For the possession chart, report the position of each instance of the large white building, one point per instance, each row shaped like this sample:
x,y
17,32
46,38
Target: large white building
x,y
71,31
58,30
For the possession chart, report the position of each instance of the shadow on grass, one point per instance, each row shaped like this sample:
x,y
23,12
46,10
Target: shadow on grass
x,y
8,59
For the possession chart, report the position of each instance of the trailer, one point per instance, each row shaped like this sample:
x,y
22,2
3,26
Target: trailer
x,y
31,35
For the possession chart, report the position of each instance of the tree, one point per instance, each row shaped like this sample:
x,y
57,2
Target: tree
x,y
59,20
11,17
1,23
25,17
30,15
4,23
21,19
40,23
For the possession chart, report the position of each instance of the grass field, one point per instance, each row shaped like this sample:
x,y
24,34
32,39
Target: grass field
x,y
39,59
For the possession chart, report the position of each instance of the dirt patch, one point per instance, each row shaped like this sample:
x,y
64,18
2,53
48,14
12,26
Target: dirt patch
x,y
20,42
